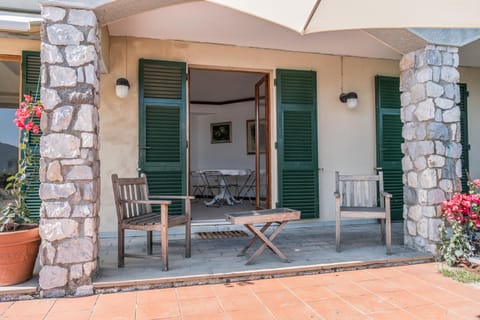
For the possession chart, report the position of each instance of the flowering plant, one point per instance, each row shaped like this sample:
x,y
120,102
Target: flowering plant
x,y
460,232
16,212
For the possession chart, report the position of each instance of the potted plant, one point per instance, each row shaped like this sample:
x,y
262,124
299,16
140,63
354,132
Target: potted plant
x,y
19,235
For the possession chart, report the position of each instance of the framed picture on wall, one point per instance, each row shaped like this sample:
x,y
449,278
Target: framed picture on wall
x,y
221,132
251,144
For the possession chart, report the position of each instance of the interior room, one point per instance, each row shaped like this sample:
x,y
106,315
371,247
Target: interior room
x,y
222,142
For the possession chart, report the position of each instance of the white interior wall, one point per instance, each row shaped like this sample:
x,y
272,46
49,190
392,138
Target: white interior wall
x,y
207,155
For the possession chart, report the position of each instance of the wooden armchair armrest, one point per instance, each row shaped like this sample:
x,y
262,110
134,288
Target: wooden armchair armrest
x,y
148,202
386,194
172,197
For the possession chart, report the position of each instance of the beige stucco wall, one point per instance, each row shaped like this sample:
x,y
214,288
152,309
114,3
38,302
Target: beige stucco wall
x,y
14,46
346,138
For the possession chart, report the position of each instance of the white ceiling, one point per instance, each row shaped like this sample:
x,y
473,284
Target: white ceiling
x,y
207,22
222,86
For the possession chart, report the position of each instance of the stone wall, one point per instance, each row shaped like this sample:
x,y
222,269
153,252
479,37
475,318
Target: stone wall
x,y
431,131
69,165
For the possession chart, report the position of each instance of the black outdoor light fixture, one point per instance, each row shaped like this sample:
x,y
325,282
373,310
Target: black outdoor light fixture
x,y
350,98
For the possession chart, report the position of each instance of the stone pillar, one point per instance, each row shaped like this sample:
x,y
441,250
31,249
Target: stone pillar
x,y
69,164
431,132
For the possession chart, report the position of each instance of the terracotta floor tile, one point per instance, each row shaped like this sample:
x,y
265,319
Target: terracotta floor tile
x,y
358,275
157,310
278,299
444,297
164,295
369,303
347,289
385,273
332,277
295,312
239,302
232,289
314,293
408,282
335,308
218,316
63,315
78,303
384,285
200,306
260,314
36,309
467,310
4,306
266,285
432,311
186,293
395,314
465,291
119,305
301,281
403,298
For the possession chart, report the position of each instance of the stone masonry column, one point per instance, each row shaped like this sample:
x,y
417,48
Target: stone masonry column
x,y
431,132
69,165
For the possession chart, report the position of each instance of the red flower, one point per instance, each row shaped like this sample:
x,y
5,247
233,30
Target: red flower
x,y
26,113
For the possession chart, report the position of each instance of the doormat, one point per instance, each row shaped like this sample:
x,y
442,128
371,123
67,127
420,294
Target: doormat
x,y
220,234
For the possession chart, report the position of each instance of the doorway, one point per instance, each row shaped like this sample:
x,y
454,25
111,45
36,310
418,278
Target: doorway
x,y
228,145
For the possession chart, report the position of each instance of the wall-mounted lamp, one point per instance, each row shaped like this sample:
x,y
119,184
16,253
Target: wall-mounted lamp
x,y
350,98
121,88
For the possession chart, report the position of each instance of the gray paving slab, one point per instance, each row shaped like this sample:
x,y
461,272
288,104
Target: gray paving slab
x,y
304,244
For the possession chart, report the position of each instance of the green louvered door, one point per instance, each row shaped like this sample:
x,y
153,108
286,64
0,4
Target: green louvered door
x,y
162,146
389,139
31,86
464,134
297,141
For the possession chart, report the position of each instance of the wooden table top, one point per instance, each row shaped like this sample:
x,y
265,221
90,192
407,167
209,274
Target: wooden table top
x,y
262,216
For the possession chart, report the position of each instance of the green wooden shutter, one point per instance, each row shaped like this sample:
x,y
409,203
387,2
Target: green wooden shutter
x,y
464,134
162,147
389,139
297,141
31,86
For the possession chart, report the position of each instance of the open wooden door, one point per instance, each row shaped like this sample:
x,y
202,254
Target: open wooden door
x,y
262,139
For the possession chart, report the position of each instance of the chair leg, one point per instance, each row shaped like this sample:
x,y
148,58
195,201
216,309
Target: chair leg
x,y
121,247
164,247
188,240
388,239
337,232
382,230
149,242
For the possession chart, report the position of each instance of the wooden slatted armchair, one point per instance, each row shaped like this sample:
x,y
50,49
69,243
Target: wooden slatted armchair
x,y
362,197
134,211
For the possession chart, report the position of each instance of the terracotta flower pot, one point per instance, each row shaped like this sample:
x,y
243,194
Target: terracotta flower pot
x,y
18,251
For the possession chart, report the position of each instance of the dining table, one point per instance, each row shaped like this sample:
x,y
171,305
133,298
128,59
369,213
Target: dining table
x,y
224,195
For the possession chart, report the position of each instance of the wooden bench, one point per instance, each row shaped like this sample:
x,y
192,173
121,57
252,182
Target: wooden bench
x,y
279,216
134,211
362,197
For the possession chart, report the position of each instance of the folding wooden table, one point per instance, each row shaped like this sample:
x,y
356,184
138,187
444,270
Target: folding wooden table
x,y
278,217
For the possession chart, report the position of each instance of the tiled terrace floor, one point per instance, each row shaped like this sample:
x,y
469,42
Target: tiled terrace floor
x,y
403,292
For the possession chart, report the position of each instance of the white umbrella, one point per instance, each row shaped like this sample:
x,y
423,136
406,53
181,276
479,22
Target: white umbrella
x,y
308,16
